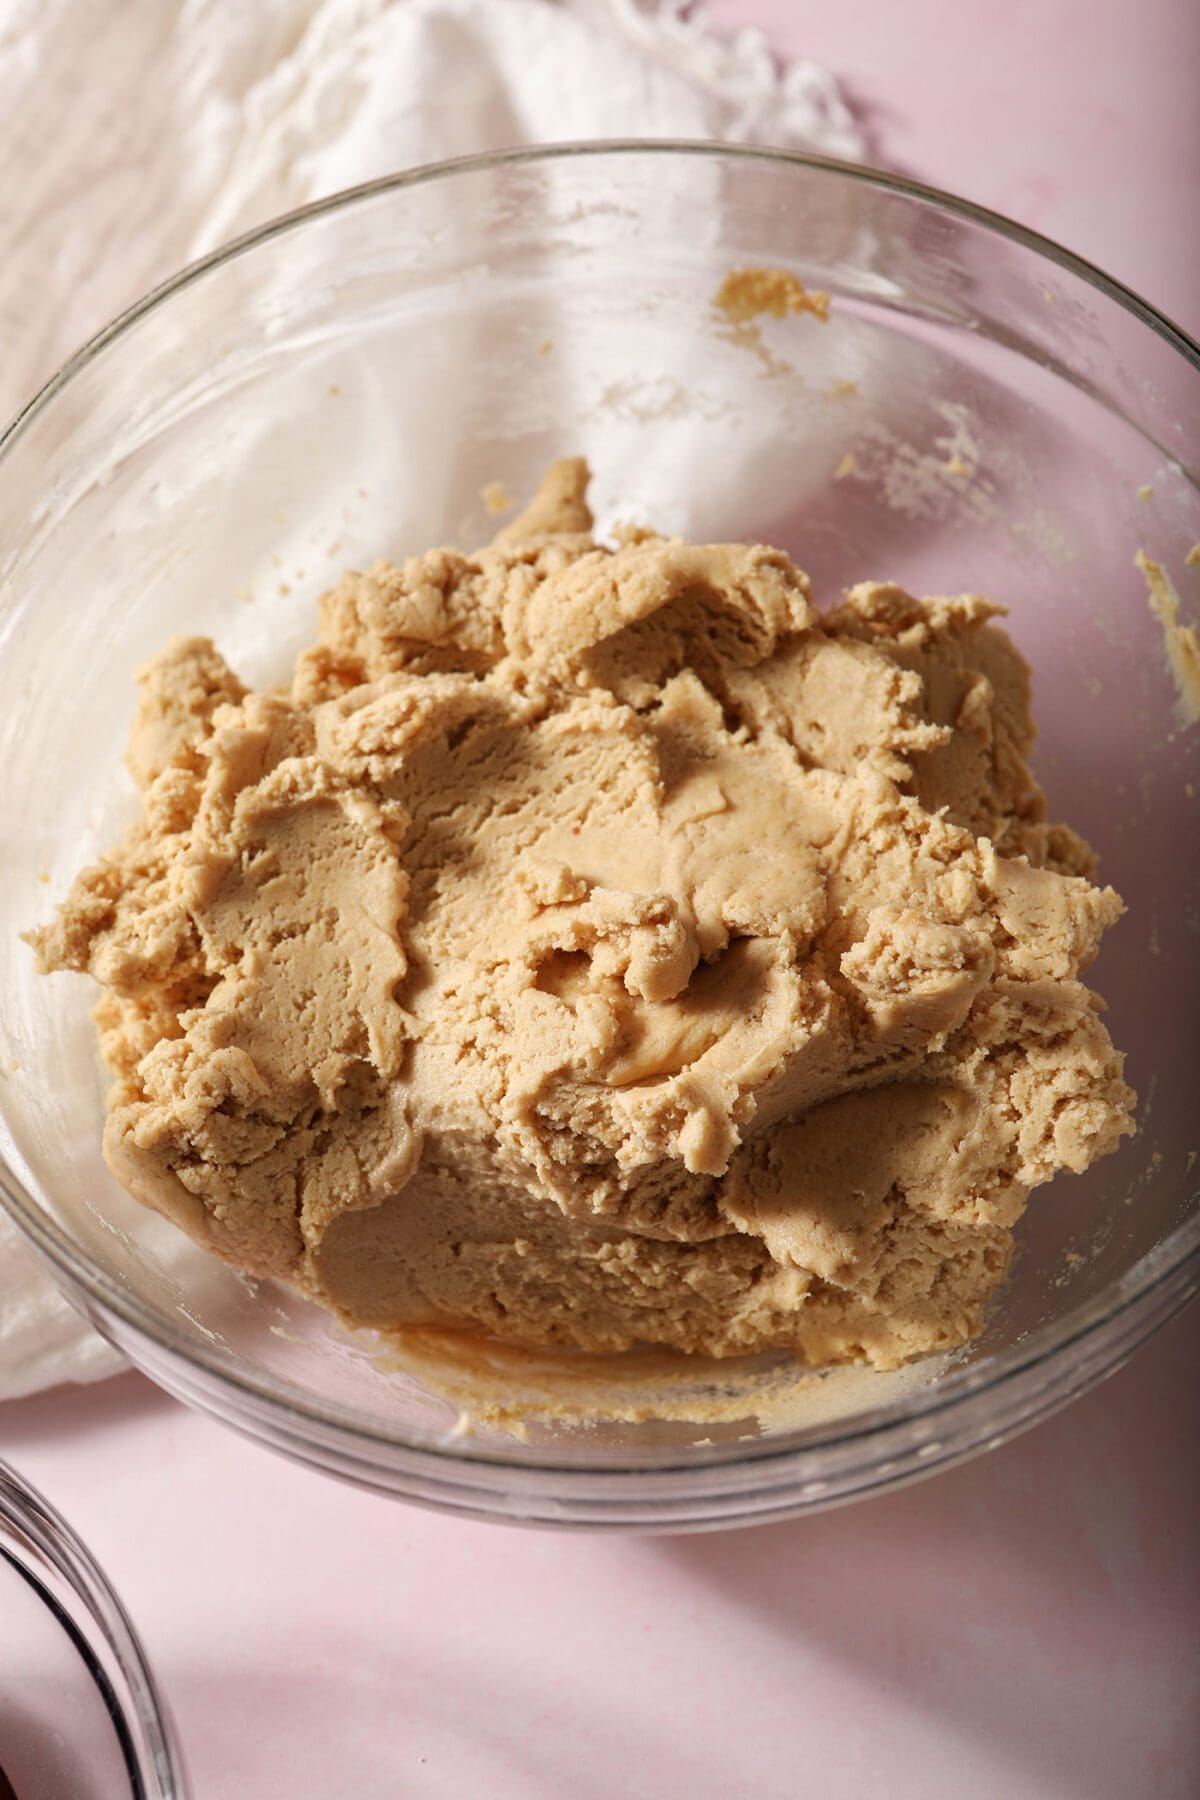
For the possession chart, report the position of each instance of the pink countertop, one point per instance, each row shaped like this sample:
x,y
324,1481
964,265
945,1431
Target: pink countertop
x,y
1022,1627
1077,117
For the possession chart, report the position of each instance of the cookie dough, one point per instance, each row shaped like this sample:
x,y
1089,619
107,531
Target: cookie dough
x,y
745,293
597,946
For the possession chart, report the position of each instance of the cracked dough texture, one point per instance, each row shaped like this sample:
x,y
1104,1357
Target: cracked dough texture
x,y
599,946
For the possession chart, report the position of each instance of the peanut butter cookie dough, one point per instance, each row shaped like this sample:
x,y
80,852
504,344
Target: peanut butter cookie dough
x,y
599,946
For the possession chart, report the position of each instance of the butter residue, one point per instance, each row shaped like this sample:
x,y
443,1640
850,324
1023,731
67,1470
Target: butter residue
x,y
511,1388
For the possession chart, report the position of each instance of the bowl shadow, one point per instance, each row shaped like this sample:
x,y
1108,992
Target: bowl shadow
x,y
988,1597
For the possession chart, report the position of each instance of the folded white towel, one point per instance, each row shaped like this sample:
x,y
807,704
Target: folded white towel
x,y
138,135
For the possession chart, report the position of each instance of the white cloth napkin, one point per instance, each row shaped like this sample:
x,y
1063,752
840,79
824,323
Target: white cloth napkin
x,y
137,135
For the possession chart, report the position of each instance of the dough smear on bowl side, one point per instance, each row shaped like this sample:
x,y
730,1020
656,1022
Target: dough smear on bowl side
x,y
599,946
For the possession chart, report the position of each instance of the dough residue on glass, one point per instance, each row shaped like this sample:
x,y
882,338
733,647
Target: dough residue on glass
x,y
1181,642
496,497
599,946
748,293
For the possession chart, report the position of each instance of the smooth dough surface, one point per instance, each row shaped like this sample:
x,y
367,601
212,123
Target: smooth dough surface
x,y
598,945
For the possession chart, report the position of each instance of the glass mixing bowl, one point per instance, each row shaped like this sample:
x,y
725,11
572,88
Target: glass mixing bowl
x,y
980,410
80,1715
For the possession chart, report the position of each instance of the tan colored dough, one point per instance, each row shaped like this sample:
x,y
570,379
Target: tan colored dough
x,y
600,946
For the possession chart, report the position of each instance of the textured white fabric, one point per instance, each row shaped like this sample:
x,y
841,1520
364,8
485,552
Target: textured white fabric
x,y
138,134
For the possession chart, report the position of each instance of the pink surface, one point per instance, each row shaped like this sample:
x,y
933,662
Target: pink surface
x,y
1020,1628
1024,1626
1077,117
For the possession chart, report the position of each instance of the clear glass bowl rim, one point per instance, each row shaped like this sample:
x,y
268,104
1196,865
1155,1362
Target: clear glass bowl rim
x,y
1161,1283
90,1613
